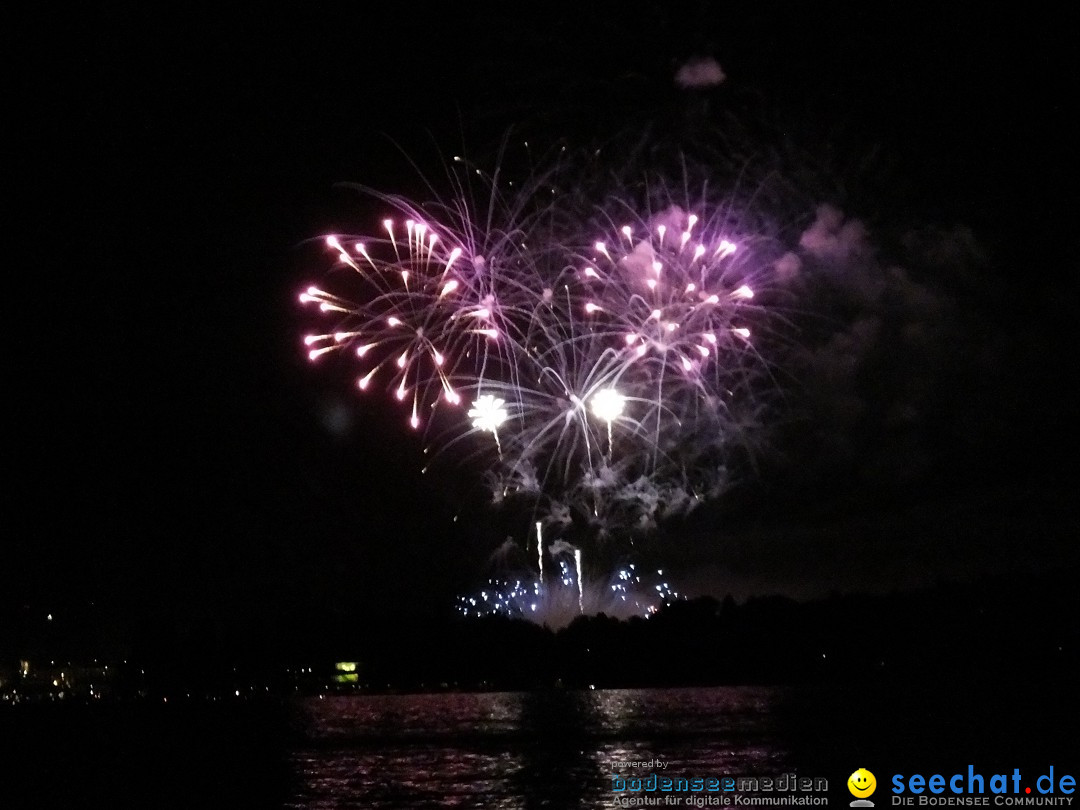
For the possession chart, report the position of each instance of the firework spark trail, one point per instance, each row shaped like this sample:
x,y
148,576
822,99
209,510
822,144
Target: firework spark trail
x,y
540,552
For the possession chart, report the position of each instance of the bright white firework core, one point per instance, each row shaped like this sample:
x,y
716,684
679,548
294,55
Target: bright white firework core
x,y
488,413
608,404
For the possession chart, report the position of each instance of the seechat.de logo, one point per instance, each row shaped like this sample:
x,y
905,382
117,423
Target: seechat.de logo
x,y
974,788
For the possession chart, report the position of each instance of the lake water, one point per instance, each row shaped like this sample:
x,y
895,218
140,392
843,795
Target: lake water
x,y
525,749
507,750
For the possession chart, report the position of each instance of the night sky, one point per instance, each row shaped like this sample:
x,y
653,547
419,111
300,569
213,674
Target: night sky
x,y
169,449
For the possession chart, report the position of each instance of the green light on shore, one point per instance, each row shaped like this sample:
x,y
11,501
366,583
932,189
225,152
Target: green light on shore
x,y
345,666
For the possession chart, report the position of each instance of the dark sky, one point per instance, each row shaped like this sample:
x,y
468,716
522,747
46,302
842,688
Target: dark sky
x,y
166,442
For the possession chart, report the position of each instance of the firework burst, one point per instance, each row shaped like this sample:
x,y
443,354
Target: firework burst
x,y
606,351
567,592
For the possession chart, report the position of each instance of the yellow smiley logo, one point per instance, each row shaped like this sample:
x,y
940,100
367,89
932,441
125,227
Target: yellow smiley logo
x,y
861,783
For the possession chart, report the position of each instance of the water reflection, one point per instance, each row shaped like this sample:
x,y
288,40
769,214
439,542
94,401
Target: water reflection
x,y
522,751
559,760
729,730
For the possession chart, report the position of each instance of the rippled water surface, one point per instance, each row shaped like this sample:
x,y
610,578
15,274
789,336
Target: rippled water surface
x,y
523,749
